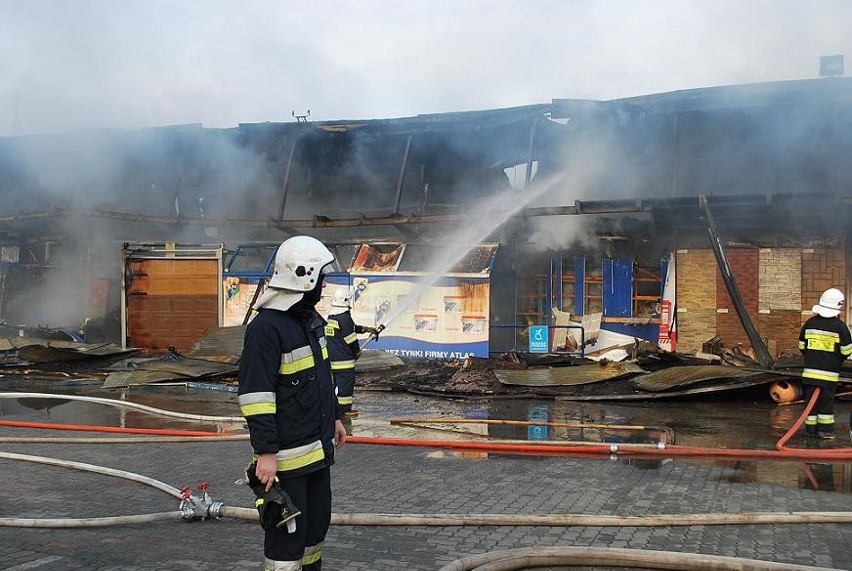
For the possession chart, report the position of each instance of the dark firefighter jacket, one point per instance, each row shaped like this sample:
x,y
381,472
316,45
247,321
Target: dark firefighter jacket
x,y
825,342
286,391
343,350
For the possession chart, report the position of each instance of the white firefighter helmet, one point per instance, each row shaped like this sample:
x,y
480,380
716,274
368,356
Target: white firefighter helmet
x,y
299,264
341,298
830,303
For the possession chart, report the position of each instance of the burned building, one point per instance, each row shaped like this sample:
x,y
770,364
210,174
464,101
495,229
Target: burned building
x,y
589,205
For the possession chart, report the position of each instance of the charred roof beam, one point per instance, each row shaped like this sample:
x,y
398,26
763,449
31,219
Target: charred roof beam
x,y
760,351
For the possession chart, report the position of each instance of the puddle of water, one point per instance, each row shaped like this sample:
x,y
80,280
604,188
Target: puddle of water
x,y
720,423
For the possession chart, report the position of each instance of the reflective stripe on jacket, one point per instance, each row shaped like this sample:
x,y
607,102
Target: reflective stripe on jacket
x,y
343,345
286,391
825,343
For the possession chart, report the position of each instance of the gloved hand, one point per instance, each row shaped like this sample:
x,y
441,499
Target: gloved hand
x,y
274,507
373,331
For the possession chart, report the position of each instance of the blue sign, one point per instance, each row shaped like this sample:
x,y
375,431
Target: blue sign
x,y
539,342
538,413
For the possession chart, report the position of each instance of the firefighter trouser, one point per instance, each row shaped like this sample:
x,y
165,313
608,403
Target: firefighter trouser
x,y
821,417
303,549
345,381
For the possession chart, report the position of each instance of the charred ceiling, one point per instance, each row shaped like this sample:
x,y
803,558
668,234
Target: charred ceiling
x,y
771,157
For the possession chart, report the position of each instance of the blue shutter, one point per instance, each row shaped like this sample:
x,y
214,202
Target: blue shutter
x,y
617,286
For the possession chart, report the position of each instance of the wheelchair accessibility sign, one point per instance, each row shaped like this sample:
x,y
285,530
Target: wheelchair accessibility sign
x,y
539,342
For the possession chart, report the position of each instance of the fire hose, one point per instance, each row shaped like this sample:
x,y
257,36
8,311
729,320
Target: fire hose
x,y
194,508
570,448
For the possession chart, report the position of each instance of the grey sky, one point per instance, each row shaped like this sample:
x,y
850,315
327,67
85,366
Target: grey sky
x,y
66,64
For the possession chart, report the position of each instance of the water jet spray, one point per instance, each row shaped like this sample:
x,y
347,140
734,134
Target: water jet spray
x,y
491,215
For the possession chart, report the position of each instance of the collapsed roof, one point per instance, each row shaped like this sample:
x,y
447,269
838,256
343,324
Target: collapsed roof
x,y
403,178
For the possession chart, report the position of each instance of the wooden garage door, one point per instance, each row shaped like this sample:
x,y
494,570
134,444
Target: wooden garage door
x,y
171,302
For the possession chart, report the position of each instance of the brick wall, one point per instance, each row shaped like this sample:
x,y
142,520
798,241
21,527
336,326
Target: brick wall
x,y
822,268
696,298
744,267
778,285
780,299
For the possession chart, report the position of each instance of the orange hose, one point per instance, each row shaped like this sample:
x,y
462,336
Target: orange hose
x,y
93,428
831,454
780,453
796,425
608,449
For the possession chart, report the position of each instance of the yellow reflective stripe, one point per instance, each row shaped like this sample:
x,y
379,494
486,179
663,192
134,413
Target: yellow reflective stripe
x,y
345,400
817,340
846,349
333,323
312,554
342,365
296,360
259,502
825,419
300,456
258,408
252,404
801,345
820,375
351,338
296,366
324,352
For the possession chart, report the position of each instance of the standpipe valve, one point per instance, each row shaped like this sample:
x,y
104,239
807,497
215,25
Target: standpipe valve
x,y
204,507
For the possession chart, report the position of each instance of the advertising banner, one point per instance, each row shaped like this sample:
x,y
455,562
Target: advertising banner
x,y
448,320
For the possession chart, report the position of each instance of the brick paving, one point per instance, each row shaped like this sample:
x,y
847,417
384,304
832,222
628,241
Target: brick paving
x,y
379,479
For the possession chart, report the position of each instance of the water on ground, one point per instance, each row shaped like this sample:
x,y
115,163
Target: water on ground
x,y
729,423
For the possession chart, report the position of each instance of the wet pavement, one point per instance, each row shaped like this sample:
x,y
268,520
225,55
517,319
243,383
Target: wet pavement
x,y
382,479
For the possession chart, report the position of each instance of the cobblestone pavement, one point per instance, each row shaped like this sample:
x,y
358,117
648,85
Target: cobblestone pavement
x,y
380,479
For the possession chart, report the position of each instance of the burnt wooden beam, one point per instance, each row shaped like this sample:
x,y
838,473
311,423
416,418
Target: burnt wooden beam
x,y
401,178
760,351
285,185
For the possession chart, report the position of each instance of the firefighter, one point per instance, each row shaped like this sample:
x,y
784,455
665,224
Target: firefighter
x,y
344,348
825,342
287,396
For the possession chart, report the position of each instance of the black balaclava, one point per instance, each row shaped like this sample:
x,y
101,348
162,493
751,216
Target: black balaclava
x,y
309,301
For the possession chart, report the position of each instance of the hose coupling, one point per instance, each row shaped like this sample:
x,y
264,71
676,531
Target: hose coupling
x,y
194,507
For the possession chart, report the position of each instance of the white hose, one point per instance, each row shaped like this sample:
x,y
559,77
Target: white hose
x,y
535,557
495,561
89,522
127,404
582,520
172,491
97,521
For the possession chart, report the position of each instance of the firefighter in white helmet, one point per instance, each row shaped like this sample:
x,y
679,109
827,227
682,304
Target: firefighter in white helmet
x,y
287,396
344,347
825,342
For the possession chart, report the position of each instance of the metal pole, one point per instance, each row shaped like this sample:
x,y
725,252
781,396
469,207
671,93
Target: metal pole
x,y
286,183
528,175
401,178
